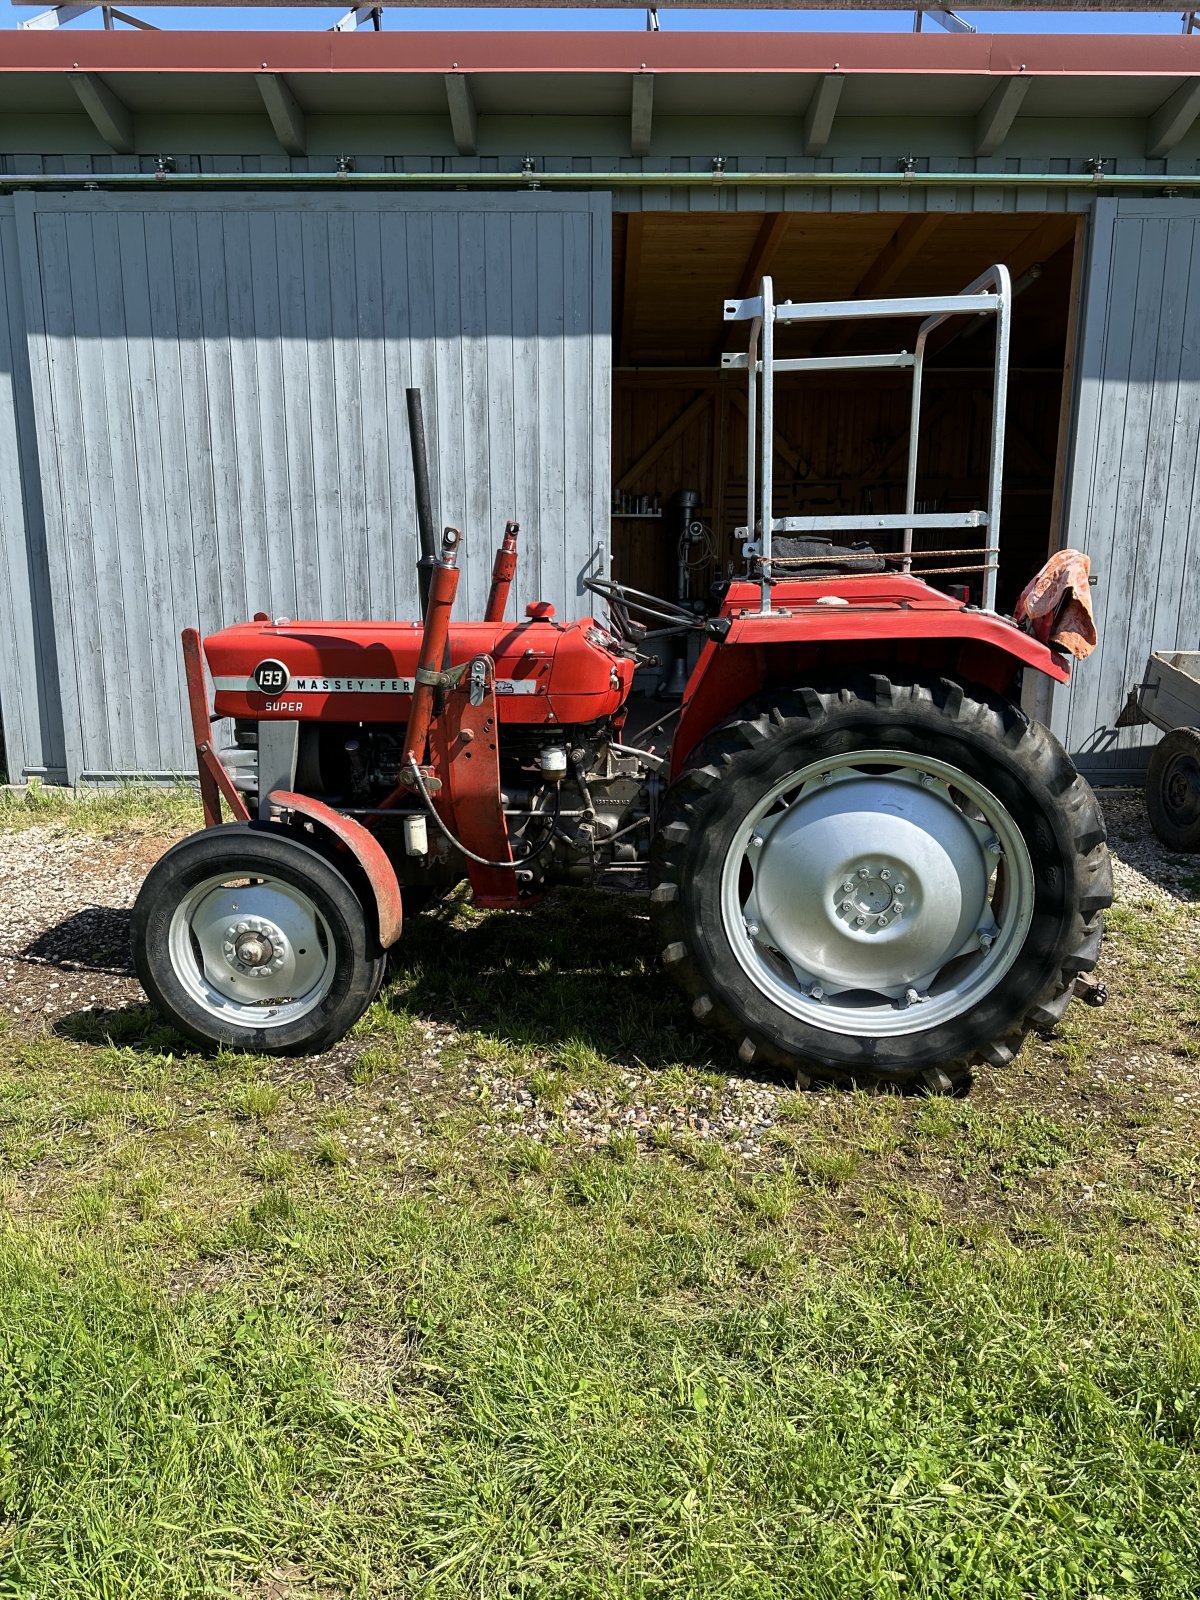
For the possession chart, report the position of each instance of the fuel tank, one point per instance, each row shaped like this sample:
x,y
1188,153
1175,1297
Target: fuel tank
x,y
546,671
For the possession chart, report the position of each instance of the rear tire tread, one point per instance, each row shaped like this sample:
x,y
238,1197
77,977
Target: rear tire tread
x,y
971,709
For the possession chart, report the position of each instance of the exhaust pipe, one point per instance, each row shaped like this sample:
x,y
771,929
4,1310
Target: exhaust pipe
x,y
428,558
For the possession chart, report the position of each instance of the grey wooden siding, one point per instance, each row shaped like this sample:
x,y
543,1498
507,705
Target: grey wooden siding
x,y
29,698
1135,489
218,384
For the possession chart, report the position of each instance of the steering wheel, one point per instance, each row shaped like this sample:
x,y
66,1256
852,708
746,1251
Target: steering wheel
x,y
622,602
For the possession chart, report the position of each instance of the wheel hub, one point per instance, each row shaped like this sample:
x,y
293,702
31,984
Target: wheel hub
x,y
256,946
260,948
870,898
854,891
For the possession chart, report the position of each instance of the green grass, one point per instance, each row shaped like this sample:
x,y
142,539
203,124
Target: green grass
x,y
128,807
281,1330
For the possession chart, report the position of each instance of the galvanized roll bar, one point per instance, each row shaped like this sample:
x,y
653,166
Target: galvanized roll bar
x,y
989,295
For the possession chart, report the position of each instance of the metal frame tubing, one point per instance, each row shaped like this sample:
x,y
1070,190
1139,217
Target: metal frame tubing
x,y
990,294
503,568
1094,182
434,639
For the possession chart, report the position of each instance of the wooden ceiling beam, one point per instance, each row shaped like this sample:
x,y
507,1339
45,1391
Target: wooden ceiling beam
x,y
630,279
110,116
1038,246
912,234
771,235
1173,119
822,108
464,119
281,105
995,120
641,122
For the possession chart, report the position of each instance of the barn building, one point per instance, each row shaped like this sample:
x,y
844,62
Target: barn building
x,y
224,256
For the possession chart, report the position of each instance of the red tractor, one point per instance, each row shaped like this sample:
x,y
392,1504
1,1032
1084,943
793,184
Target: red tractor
x,y
864,861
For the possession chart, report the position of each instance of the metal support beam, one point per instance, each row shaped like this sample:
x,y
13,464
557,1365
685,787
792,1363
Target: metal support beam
x,y
352,18
1173,119
111,117
998,115
56,16
287,119
642,114
822,108
464,119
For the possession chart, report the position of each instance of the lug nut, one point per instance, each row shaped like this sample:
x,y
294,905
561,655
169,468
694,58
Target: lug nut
x,y
900,888
864,872
848,885
756,840
847,905
885,875
860,922
752,929
816,992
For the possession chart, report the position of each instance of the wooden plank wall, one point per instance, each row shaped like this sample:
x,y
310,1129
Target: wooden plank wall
x,y
218,385
29,697
842,447
1135,501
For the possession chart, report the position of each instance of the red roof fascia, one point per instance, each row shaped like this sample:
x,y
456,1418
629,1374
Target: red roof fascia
x,y
1074,55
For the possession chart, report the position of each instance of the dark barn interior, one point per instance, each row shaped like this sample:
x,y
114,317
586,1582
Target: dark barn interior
x,y
679,422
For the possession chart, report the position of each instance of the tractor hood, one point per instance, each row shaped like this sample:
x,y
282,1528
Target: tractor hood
x,y
546,671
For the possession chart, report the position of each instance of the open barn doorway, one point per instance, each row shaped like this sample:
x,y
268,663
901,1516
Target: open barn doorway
x,y
679,423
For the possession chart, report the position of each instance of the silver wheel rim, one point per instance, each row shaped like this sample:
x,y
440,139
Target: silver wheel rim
x,y
877,893
252,951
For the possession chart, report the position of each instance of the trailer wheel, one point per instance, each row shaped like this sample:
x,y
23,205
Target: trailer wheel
x,y
880,881
244,937
1173,789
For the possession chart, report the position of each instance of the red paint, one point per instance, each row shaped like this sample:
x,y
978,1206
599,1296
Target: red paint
x,y
214,777
405,53
575,673
891,621
443,587
366,850
503,569
466,757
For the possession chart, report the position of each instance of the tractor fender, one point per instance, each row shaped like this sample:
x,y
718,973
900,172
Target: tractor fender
x,y
366,850
782,649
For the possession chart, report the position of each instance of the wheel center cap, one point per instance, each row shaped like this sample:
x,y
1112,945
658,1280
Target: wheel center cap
x,y
254,949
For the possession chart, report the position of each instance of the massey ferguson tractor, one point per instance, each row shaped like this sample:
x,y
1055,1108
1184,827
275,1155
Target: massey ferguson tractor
x,y
864,862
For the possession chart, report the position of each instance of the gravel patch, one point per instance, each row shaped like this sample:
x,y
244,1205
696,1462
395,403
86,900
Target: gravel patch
x,y
64,937
64,952
1145,872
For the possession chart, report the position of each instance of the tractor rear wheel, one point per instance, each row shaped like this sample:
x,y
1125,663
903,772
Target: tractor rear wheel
x,y
245,937
880,881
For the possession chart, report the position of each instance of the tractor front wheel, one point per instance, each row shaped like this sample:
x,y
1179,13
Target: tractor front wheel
x,y
880,881
245,937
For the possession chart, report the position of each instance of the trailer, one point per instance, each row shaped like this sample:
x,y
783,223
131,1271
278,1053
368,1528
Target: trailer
x,y
1169,698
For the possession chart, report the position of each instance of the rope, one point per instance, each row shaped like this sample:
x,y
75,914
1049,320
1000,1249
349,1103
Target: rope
x,y
839,553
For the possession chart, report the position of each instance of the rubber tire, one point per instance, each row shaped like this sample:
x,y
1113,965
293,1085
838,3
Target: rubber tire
x,y
982,734
1176,833
256,848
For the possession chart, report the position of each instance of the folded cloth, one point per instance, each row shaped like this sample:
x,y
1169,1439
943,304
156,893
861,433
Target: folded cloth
x,y
1056,607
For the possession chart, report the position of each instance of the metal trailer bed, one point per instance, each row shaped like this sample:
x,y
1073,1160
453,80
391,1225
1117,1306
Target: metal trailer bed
x,y
1169,698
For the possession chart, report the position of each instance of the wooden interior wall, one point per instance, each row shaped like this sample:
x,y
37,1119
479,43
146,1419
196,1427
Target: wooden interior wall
x,y
680,423
841,446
